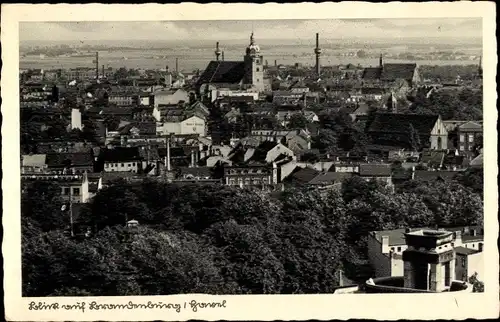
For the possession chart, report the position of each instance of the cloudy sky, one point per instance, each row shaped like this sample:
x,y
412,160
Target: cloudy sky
x,y
264,29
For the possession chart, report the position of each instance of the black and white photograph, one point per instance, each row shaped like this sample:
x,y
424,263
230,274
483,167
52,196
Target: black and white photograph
x,y
252,157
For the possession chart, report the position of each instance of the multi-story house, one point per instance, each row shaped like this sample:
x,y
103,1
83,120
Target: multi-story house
x,y
469,135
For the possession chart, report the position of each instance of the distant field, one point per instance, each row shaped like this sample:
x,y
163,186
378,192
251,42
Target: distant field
x,y
194,58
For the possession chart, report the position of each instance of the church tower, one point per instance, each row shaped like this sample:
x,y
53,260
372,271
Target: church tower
x,y
254,67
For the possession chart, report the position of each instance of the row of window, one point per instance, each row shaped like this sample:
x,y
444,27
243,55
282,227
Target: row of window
x,y
112,165
245,171
247,181
66,191
462,147
470,137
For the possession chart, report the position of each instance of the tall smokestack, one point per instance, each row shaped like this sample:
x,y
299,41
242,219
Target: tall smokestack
x,y
222,56
317,51
167,159
102,74
217,52
96,65
275,63
176,65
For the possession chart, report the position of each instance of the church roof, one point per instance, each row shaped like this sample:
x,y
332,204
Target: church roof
x,y
390,72
229,72
398,71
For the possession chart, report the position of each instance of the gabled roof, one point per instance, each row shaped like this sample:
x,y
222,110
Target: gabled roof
x,y
393,72
375,170
34,160
303,175
223,72
433,157
73,159
400,123
470,126
145,128
372,73
121,154
261,151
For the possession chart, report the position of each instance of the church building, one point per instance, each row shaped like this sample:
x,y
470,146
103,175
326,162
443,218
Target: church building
x,y
237,75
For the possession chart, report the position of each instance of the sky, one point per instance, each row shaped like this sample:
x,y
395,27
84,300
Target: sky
x,y
466,28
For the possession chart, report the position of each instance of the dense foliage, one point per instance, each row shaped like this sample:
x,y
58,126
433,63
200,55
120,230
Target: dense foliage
x,y
220,239
458,104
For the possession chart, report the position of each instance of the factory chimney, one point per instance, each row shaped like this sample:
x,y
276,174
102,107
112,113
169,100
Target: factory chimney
x,y
222,56
96,65
380,62
176,65
317,51
102,74
217,52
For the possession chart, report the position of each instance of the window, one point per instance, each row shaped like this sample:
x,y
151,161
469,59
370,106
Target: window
x,y
464,261
399,249
257,80
462,137
123,165
65,191
76,191
257,68
472,245
462,148
392,249
133,164
471,138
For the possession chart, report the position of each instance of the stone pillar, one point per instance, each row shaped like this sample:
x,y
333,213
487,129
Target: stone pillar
x,y
409,281
452,270
437,278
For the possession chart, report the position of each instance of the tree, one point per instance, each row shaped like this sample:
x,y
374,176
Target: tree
x,y
41,203
297,121
326,141
414,138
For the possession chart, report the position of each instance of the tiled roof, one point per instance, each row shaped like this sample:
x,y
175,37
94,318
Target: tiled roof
x,y
375,170
477,162
261,151
33,160
371,73
393,72
75,159
303,175
433,157
223,72
121,154
243,98
470,126
400,123
330,178
145,128
108,177
396,236
465,251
